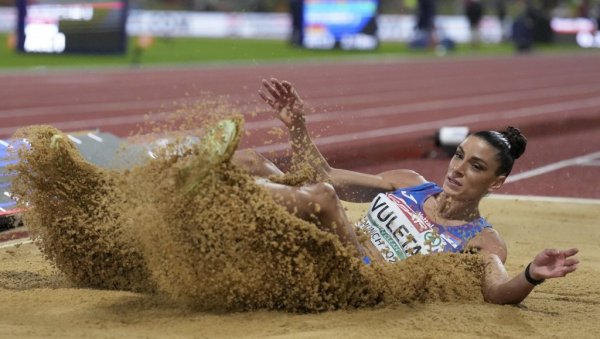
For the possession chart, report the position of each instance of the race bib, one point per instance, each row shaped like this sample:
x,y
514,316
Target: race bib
x,y
398,231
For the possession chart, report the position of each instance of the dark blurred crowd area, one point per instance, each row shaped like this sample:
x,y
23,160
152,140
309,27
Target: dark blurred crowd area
x,y
502,8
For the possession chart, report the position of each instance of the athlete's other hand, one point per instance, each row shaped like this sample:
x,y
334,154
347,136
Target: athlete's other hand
x,y
553,263
284,99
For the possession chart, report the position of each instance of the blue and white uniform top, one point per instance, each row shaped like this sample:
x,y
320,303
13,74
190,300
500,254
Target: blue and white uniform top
x,y
399,228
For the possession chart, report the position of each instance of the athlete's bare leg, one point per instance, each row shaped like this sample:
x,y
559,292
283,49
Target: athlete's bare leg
x,y
316,203
255,163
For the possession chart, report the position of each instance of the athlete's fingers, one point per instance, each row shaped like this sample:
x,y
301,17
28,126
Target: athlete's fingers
x,y
266,99
566,270
571,262
279,87
290,91
289,88
276,84
570,252
550,252
270,89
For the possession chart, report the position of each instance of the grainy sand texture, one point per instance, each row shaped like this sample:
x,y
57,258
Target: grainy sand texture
x,y
189,245
37,300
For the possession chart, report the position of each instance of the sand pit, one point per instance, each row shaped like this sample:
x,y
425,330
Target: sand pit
x,y
189,245
37,301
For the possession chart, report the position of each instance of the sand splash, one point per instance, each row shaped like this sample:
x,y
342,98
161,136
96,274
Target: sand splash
x,y
224,245
74,213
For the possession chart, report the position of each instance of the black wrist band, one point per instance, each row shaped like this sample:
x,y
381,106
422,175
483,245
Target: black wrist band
x,y
530,279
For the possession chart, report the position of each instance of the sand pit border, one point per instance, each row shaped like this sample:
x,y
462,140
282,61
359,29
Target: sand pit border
x,y
539,198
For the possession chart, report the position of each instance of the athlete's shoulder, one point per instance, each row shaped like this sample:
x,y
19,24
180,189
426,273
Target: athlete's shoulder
x,y
401,178
490,241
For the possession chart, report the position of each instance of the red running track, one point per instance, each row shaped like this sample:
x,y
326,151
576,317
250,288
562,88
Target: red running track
x,y
369,116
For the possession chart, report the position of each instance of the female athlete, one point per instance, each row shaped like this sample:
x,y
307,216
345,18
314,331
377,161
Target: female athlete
x,y
409,215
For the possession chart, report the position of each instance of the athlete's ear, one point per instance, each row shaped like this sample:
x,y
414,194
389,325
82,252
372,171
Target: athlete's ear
x,y
498,182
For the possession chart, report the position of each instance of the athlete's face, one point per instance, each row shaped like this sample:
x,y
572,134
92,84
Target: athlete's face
x,y
472,171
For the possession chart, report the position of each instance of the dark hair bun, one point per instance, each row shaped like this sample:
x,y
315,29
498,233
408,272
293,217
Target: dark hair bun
x,y
517,141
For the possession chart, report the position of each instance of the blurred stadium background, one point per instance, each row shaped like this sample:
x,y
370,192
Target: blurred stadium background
x,y
523,22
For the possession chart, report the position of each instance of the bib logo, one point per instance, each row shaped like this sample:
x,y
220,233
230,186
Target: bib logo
x,y
409,196
433,239
418,219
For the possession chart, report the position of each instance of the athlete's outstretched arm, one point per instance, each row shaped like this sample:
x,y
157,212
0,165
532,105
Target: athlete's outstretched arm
x,y
349,185
290,109
550,263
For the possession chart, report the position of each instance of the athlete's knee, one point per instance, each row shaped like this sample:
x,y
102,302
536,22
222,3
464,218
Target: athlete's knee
x,y
246,157
254,162
323,195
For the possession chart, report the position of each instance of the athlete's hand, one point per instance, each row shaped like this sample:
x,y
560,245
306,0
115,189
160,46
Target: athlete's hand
x,y
284,99
553,263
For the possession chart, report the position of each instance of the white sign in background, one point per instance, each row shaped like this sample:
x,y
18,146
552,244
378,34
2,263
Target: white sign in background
x,y
277,26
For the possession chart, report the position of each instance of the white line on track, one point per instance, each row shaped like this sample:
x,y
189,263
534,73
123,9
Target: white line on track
x,y
95,137
554,166
87,108
15,242
465,101
595,163
431,105
75,140
456,102
539,198
509,92
434,125
88,123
